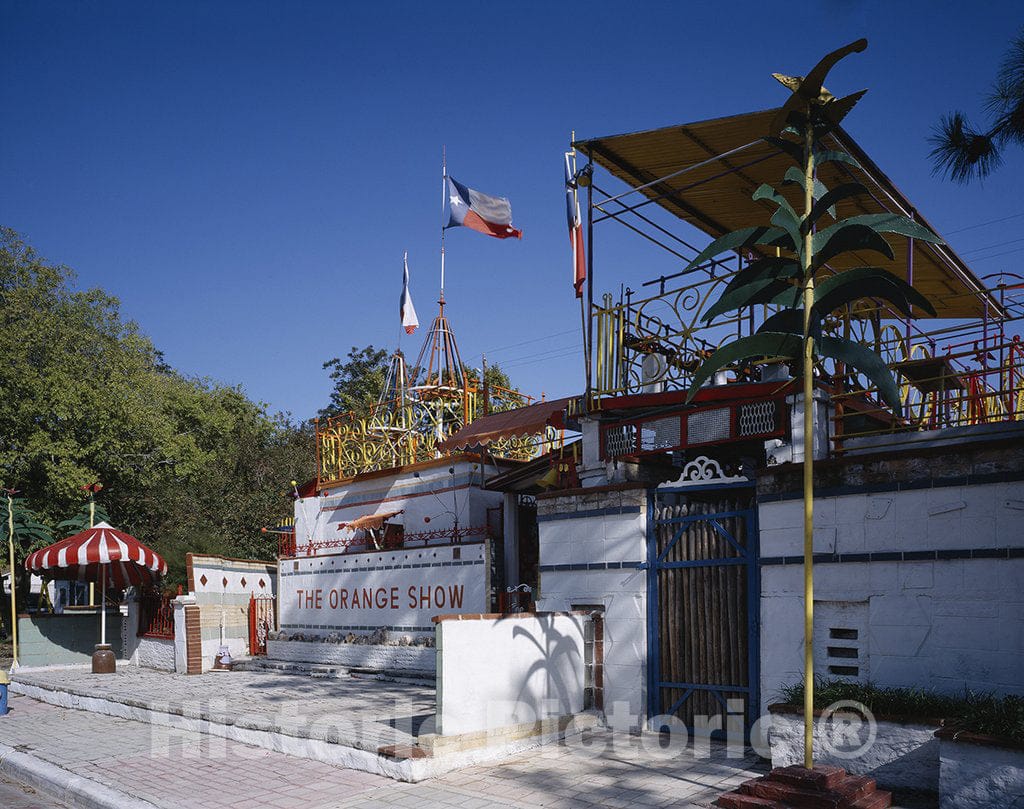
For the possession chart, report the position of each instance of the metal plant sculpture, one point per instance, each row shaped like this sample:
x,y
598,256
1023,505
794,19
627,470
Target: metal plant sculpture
x,y
790,279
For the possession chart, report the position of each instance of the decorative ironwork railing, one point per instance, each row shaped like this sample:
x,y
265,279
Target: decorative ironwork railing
x,y
156,614
405,539
953,374
656,342
401,433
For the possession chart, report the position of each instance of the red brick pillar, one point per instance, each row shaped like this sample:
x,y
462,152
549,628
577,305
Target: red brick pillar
x,y
193,641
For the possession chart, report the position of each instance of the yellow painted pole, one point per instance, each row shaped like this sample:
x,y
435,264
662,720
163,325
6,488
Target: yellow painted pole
x,y
808,373
92,517
14,603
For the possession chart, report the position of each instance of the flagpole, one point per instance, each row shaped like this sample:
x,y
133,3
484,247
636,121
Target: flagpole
x,y
401,325
444,196
589,316
583,307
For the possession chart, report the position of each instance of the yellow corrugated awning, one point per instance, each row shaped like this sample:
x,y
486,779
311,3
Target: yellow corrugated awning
x,y
716,198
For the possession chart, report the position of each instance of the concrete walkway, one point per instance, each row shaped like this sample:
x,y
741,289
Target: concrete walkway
x,y
348,722
147,765
367,712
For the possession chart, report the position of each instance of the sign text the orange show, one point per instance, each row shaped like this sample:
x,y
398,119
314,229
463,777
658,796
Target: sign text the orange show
x,y
416,597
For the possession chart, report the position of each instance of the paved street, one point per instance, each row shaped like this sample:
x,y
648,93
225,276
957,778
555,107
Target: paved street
x,y
189,770
17,796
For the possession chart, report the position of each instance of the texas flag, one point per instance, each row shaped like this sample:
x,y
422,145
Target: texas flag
x,y
405,308
490,215
572,211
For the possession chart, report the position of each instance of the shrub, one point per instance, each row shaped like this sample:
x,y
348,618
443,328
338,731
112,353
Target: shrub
x,y
969,711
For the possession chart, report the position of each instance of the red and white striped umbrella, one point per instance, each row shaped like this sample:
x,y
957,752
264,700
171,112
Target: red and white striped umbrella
x,y
86,555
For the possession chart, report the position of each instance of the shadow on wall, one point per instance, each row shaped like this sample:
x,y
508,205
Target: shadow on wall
x,y
558,664
498,671
68,638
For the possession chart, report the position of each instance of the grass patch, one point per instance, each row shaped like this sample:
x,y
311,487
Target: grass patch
x,y
975,712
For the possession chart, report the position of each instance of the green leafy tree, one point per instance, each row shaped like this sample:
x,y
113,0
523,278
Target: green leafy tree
x,y
80,520
502,394
961,151
358,380
187,464
797,279
25,530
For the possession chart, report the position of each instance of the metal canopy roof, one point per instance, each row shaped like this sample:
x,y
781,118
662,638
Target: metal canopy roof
x,y
716,197
520,422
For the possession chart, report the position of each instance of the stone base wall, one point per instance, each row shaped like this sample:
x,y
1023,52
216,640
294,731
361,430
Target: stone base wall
x,y
155,653
411,659
975,776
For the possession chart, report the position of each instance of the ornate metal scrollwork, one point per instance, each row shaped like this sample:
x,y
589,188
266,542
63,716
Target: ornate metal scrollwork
x,y
704,471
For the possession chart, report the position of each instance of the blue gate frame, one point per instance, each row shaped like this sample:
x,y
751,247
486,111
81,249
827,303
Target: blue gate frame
x,y
656,562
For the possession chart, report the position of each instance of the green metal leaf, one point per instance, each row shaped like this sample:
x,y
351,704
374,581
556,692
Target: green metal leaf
x,y
759,291
790,321
868,363
769,344
794,150
783,219
795,176
744,237
763,268
894,223
828,156
844,236
828,203
867,282
789,297
765,191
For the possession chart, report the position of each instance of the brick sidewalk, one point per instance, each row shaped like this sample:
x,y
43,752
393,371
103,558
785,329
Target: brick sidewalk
x,y
187,770
366,712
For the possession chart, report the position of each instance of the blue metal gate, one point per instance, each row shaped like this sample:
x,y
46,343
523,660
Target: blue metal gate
x,y
703,594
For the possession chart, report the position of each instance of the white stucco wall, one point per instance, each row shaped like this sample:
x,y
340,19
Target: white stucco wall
x,y
599,540
497,672
947,624
427,502
404,589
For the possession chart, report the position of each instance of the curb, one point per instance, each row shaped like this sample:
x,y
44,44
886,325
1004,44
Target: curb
x,y
74,790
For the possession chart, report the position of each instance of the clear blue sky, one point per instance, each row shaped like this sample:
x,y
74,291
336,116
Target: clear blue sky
x,y
245,176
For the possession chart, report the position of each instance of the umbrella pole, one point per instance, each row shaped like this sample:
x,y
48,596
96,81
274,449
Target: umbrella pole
x,y
103,605
103,660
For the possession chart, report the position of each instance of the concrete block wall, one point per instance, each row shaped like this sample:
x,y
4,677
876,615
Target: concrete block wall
x,y
592,545
935,573
222,588
413,660
65,639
